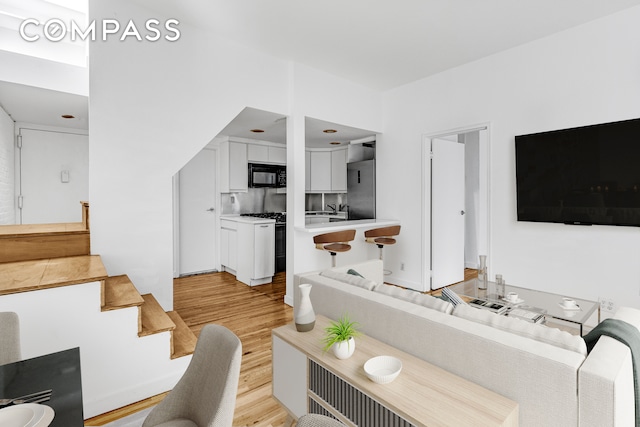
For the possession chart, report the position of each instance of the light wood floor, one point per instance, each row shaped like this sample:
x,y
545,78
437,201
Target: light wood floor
x,y
251,313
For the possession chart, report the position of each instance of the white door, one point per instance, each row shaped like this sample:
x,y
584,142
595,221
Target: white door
x,y
54,176
447,212
197,223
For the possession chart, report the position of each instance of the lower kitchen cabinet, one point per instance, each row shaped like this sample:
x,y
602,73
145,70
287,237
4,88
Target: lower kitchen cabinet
x,y
256,253
228,245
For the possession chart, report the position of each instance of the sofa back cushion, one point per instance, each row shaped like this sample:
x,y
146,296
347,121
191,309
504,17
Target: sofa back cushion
x,y
523,328
350,279
371,269
415,297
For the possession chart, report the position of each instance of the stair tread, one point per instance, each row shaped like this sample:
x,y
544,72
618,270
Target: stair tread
x,y
154,319
183,339
24,276
120,292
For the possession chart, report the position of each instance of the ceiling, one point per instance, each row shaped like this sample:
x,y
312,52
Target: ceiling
x,y
384,44
274,127
379,44
43,106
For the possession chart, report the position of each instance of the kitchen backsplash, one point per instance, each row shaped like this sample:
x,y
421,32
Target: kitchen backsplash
x,y
255,200
319,202
258,200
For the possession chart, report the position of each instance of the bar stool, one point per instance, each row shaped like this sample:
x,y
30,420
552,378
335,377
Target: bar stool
x,y
335,242
382,236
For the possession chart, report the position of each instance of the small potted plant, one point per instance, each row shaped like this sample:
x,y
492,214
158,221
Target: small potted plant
x,y
340,337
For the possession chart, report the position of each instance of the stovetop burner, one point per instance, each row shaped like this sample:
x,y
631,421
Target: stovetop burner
x,y
280,217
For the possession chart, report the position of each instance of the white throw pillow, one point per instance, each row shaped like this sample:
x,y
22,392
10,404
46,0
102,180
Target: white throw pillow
x,y
523,328
415,297
351,279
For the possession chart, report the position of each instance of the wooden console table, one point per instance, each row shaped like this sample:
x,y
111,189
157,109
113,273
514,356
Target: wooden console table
x,y
308,380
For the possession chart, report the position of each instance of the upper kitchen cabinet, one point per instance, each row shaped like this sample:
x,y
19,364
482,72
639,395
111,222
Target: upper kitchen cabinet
x,y
233,166
326,171
339,171
269,154
329,149
320,174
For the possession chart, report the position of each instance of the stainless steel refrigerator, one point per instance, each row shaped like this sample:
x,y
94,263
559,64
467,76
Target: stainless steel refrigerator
x,y
361,189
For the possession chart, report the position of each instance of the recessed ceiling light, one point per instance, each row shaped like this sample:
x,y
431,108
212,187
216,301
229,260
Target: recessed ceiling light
x,y
68,116
257,130
329,131
335,143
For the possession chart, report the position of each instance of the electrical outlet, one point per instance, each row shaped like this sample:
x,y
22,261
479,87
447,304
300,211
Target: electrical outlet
x,y
402,266
607,304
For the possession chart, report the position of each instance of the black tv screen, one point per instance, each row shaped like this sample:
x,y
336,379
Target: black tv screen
x,y
585,175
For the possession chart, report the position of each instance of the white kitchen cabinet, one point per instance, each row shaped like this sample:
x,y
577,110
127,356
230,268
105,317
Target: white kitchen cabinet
x,y
233,167
277,155
320,172
339,171
259,153
238,167
307,170
256,249
228,245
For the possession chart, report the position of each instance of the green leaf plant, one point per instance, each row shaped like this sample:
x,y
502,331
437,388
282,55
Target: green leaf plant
x,y
340,330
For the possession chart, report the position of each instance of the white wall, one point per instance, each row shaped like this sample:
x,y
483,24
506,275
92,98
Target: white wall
x,y
582,76
7,170
147,123
153,106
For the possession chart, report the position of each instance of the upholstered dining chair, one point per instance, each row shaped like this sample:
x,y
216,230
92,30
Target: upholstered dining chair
x,y
316,420
9,338
205,396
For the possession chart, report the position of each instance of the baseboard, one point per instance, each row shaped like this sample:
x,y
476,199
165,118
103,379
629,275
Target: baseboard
x,y
416,286
101,404
288,300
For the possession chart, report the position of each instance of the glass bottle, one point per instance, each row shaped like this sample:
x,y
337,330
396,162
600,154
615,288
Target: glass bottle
x,y
482,273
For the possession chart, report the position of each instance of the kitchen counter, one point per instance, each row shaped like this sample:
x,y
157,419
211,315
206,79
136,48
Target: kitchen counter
x,y
327,227
247,219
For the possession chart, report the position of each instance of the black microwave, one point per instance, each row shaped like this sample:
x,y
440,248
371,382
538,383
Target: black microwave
x,y
270,176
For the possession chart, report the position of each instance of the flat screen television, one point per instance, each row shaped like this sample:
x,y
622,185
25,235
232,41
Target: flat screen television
x,y
586,175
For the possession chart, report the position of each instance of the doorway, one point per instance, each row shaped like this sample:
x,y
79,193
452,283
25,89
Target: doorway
x,y
196,205
457,202
53,171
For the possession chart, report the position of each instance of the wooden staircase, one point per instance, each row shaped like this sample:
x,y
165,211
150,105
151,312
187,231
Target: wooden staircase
x,y
83,277
119,292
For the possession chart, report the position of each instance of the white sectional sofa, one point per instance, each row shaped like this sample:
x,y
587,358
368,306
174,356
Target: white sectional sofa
x,y
543,369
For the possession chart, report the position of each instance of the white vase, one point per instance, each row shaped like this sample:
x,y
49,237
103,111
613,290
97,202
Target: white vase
x,y
344,349
305,318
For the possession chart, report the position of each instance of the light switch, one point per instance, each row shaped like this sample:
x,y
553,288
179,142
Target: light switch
x,y
64,176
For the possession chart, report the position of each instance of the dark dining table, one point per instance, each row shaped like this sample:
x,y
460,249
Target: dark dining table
x,y
59,372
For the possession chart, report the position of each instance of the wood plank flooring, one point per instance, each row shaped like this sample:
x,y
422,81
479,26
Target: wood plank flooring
x,y
251,313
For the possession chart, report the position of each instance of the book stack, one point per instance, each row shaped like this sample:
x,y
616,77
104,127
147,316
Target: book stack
x,y
452,297
495,307
529,316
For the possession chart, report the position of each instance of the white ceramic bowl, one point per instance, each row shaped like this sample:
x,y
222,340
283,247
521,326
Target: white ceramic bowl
x,y
382,369
26,415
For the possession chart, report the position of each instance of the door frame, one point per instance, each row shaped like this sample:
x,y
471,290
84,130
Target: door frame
x,y
485,194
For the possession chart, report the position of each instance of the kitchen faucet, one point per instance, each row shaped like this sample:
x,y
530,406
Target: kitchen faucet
x,y
333,207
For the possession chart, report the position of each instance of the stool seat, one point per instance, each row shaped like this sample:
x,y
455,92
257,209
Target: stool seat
x,y
334,242
337,247
384,241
